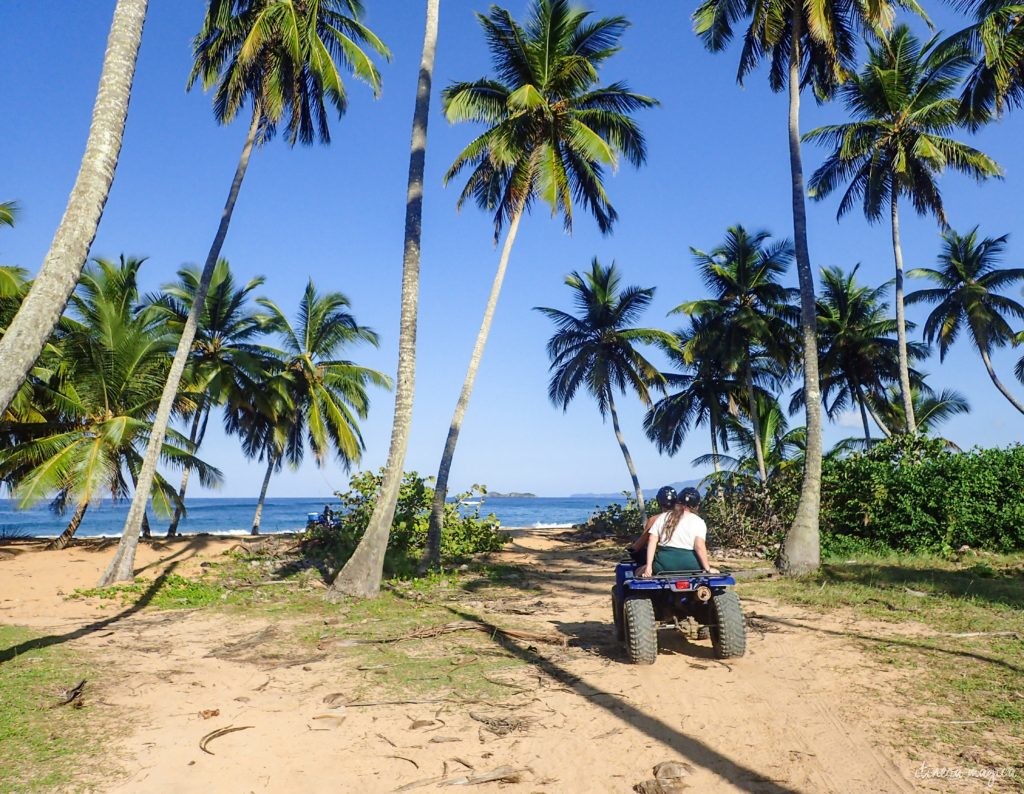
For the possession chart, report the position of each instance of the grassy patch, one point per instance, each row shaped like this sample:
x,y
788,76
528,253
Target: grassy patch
x,y
962,636
166,592
41,747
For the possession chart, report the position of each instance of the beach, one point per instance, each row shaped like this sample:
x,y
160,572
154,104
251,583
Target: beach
x,y
318,715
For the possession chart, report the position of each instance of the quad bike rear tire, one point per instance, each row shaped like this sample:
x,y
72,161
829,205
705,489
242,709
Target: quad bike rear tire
x,y
729,630
620,629
641,633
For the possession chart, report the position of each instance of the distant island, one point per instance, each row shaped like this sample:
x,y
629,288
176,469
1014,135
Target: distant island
x,y
510,495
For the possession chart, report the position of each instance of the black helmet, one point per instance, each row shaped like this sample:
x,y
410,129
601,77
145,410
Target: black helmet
x,y
690,497
666,497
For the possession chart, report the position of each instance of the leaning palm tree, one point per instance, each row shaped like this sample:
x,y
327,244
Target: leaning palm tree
x,y
363,570
747,319
110,366
280,57
968,279
223,348
552,132
858,348
996,83
41,310
325,397
810,44
702,391
596,349
905,107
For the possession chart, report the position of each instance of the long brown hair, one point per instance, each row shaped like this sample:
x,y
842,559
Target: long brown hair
x,y
678,510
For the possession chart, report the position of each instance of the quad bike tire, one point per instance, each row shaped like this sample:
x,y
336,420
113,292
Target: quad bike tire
x,y
620,629
729,630
641,632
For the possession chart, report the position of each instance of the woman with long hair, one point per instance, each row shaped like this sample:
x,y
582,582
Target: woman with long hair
x,y
676,538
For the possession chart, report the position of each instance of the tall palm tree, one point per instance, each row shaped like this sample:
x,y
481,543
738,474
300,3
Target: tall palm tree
x,y
905,107
281,57
809,44
41,310
596,349
705,393
857,346
363,570
224,346
112,361
967,280
324,396
996,83
552,131
747,318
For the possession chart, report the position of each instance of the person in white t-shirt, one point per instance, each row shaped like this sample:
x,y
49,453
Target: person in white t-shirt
x,y
676,539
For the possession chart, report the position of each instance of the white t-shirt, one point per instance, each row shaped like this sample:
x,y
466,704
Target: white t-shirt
x,y
690,527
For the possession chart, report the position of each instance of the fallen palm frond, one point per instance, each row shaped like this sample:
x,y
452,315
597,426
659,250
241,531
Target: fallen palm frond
x,y
217,734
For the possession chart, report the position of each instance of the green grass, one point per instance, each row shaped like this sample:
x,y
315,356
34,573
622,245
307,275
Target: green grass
x,y
971,688
167,592
43,748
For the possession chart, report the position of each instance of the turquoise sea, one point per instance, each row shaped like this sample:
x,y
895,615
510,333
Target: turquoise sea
x,y
234,516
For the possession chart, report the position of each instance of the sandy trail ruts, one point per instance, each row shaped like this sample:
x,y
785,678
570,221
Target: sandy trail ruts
x,y
803,711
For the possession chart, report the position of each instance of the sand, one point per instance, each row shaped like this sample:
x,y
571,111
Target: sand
x,y
804,711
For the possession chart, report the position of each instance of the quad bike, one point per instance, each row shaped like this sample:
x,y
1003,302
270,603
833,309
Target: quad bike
x,y
640,606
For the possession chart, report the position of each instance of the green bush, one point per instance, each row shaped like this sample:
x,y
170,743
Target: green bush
x,y
620,521
463,534
916,495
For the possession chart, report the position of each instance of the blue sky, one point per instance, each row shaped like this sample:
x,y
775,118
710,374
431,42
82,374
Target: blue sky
x,y
717,156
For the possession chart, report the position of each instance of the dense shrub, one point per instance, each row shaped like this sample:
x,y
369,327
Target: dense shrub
x,y
916,495
621,521
464,533
750,517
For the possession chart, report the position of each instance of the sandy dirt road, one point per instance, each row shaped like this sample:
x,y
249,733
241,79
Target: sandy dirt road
x,y
804,711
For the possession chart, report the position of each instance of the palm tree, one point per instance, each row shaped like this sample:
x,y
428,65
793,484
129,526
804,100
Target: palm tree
x,y
931,408
996,82
551,133
8,212
110,368
363,570
279,56
41,310
596,349
904,105
706,392
968,278
858,350
324,397
747,318
223,348
815,47
783,447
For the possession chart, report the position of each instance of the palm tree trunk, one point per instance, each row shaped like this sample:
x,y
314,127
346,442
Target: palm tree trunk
x,y
271,463
362,573
433,551
999,384
755,420
65,536
901,322
39,312
121,566
195,438
874,415
801,549
629,460
146,533
864,419
714,447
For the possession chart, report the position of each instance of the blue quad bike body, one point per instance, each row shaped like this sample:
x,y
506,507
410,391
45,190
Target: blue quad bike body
x,y
641,606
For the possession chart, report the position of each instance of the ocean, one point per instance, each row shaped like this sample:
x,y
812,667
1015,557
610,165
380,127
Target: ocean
x,y
234,516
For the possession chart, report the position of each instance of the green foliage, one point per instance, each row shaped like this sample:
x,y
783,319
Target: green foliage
x,y
915,495
169,592
617,520
464,534
750,517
